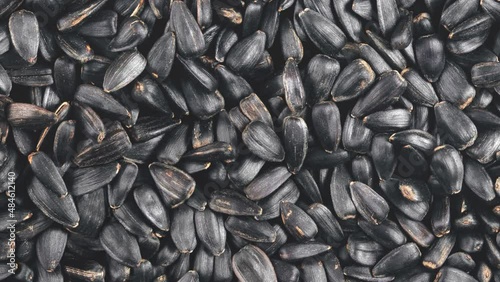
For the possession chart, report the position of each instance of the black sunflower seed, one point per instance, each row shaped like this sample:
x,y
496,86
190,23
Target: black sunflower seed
x,y
377,97
416,230
148,92
439,251
399,258
266,182
244,55
123,70
470,34
75,47
298,251
103,24
298,223
419,91
348,20
364,9
80,15
447,116
403,31
352,81
388,15
183,22
446,165
50,247
47,172
485,75
24,35
263,142
295,130
175,185
120,245
252,264
328,37
60,210
453,86
182,229
233,203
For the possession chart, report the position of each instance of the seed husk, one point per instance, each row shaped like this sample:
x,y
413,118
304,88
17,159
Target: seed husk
x,y
263,142
295,129
252,264
453,86
251,230
183,22
349,86
50,247
399,258
393,57
295,96
403,31
233,203
24,34
377,97
324,34
356,136
183,229
470,34
298,251
447,166
211,232
244,55
103,24
298,223
60,210
254,109
266,183
439,251
47,172
123,70
120,245
477,179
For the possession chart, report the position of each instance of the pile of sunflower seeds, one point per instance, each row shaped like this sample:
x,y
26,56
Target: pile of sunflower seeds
x,y
250,140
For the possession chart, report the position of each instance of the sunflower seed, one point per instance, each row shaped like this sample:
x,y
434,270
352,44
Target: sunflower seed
x,y
21,24
298,251
470,34
377,97
50,247
243,56
439,251
328,37
120,245
252,264
123,70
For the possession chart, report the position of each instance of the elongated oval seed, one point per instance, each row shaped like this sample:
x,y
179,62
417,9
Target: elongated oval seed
x,y
175,185
123,70
252,264
263,142
24,34
190,43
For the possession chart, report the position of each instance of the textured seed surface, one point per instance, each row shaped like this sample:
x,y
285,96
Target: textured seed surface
x,y
276,140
